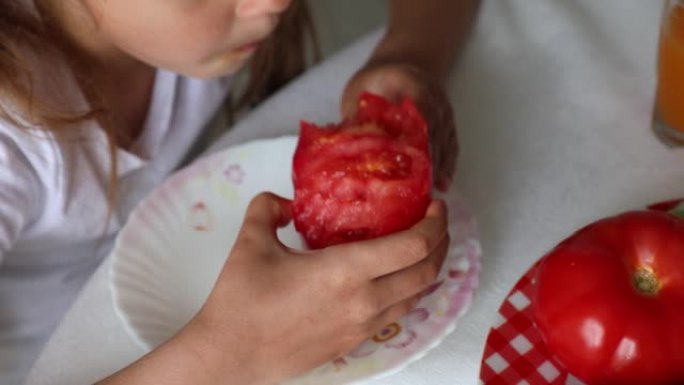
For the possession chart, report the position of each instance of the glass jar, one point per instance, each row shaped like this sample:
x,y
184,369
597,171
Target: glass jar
x,y
669,105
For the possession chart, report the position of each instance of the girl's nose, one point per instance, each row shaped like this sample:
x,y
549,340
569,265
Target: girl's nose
x,y
251,8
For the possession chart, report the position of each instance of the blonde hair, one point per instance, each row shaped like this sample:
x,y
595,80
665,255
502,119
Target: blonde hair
x,y
283,56
24,36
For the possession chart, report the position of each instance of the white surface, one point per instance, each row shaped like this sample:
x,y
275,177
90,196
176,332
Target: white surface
x,y
338,23
553,100
174,245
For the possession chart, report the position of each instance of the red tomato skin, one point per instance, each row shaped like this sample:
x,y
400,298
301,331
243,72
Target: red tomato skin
x,y
366,177
592,317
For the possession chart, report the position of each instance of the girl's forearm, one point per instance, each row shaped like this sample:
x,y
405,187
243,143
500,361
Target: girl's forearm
x,y
191,357
427,33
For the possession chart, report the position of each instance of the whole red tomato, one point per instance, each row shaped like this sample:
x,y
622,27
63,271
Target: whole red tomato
x,y
366,177
609,300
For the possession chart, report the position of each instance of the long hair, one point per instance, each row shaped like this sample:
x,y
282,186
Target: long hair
x,y
24,39
24,36
283,56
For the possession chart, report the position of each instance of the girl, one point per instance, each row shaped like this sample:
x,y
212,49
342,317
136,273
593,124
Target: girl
x,y
100,100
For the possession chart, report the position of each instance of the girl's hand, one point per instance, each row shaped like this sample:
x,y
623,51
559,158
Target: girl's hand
x,y
277,312
394,79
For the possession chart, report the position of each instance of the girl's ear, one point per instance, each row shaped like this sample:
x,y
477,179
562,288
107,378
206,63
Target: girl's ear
x,y
251,8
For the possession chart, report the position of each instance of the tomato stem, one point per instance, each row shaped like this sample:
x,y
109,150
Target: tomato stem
x,y
646,282
677,211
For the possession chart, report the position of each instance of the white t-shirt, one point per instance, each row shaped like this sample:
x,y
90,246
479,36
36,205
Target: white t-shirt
x,y
53,207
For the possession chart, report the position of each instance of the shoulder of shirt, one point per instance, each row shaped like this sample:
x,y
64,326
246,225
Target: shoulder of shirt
x,y
26,138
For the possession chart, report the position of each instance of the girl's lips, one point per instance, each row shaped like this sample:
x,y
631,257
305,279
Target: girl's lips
x,y
248,47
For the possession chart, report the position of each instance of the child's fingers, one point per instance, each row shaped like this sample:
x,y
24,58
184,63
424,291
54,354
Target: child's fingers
x,y
411,281
265,214
381,256
447,162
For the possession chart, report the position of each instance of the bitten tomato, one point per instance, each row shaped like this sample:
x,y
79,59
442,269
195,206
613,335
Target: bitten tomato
x,y
365,177
609,300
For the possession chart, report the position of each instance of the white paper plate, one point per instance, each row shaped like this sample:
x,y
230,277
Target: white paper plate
x,y
169,254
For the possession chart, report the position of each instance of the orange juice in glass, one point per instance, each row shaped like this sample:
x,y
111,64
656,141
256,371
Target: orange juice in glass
x,y
669,109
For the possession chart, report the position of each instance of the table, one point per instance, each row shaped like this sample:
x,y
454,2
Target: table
x,y
554,102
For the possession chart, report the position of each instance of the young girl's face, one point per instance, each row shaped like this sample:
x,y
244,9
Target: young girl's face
x,y
203,38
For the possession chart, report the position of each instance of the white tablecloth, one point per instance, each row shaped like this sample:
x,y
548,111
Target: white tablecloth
x,y
554,102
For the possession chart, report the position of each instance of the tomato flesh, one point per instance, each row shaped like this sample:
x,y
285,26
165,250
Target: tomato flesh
x,y
363,178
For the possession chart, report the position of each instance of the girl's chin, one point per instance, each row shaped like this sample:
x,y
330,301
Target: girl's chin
x,y
223,65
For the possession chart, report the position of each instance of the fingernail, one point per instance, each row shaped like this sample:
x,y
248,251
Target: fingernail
x,y
437,207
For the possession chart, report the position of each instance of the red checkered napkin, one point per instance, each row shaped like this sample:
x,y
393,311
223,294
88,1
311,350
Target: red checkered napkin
x,y
515,353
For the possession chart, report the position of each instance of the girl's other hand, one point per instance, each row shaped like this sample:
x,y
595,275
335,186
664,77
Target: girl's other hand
x,y
395,79
276,312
